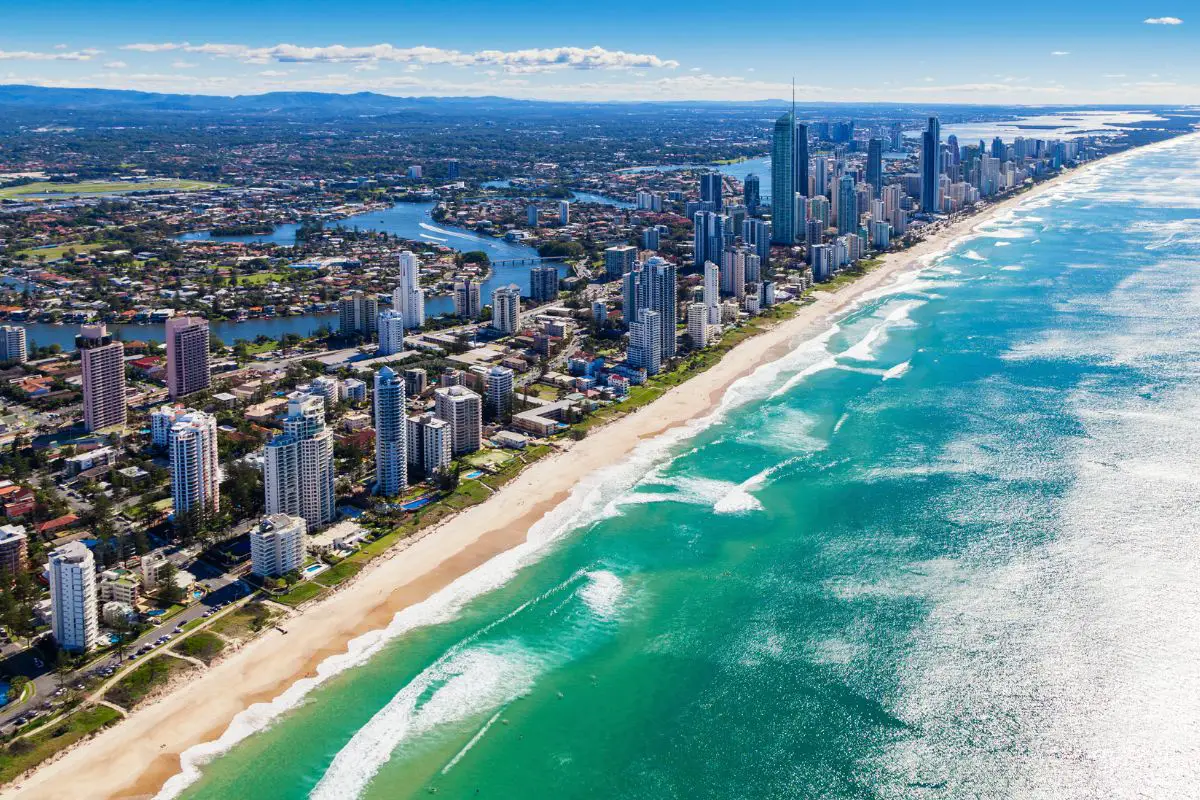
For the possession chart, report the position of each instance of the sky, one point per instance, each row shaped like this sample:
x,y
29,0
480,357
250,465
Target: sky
x,y
1067,52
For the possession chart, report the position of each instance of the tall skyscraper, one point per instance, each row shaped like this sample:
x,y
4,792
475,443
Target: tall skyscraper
x,y
466,299
875,165
653,287
712,185
752,193
506,309
710,234
195,474
783,180
428,444
358,315
408,296
697,324
531,215
619,260
847,218
543,284
391,427
298,476
462,409
74,622
498,383
800,166
187,356
564,212
645,349
931,168
391,333
12,344
712,292
277,545
103,361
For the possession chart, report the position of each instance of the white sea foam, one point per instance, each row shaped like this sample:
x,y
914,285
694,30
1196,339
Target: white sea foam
x,y
972,255
1002,244
603,593
897,371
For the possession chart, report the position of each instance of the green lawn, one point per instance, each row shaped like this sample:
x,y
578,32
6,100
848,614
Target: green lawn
x,y
203,645
338,573
300,593
260,278
147,677
104,187
59,250
21,755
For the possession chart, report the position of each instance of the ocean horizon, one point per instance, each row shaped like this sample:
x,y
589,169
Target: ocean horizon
x,y
945,548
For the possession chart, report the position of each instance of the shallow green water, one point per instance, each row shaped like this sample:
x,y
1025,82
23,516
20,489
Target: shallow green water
x,y
947,550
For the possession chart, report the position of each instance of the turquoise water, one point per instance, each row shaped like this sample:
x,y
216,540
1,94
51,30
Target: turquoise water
x,y
947,549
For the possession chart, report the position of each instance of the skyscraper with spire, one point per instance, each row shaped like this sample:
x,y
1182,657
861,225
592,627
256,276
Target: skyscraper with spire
x,y
783,180
931,167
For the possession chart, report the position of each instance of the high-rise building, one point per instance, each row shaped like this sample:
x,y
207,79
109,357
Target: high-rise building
x,y
298,477
14,550
506,309
543,284
875,165
564,212
391,332
74,621
931,168
277,545
452,169
800,164
783,180
653,287
531,215
195,471
356,390
462,409
329,389
498,384
161,421
752,193
12,344
103,361
415,382
712,186
619,260
697,324
847,205
408,297
757,234
712,293
467,304
645,350
187,356
429,444
358,315
711,234
391,425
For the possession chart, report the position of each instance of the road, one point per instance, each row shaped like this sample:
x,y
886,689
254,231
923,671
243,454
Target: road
x,y
223,589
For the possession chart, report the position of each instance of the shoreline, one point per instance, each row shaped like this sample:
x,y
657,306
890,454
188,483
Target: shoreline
x,y
136,757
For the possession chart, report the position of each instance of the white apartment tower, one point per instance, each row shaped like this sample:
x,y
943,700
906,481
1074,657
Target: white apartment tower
x,y
499,385
12,344
463,410
698,315
277,545
195,474
409,297
391,426
712,292
429,445
391,333
187,356
73,597
506,309
103,361
299,464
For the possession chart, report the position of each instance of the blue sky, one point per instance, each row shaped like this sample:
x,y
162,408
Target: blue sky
x,y
1035,53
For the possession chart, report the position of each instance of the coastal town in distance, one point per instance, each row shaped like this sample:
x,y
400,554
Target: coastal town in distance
x,y
261,347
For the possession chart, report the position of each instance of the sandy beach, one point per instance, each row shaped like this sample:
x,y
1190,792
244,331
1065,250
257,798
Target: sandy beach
x,y
136,757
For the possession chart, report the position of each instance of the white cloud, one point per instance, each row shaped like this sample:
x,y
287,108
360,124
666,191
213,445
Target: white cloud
x,y
184,65
29,55
115,64
273,73
531,60
1163,21
1115,75
1061,53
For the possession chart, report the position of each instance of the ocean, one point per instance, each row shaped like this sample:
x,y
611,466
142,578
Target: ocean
x,y
946,549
